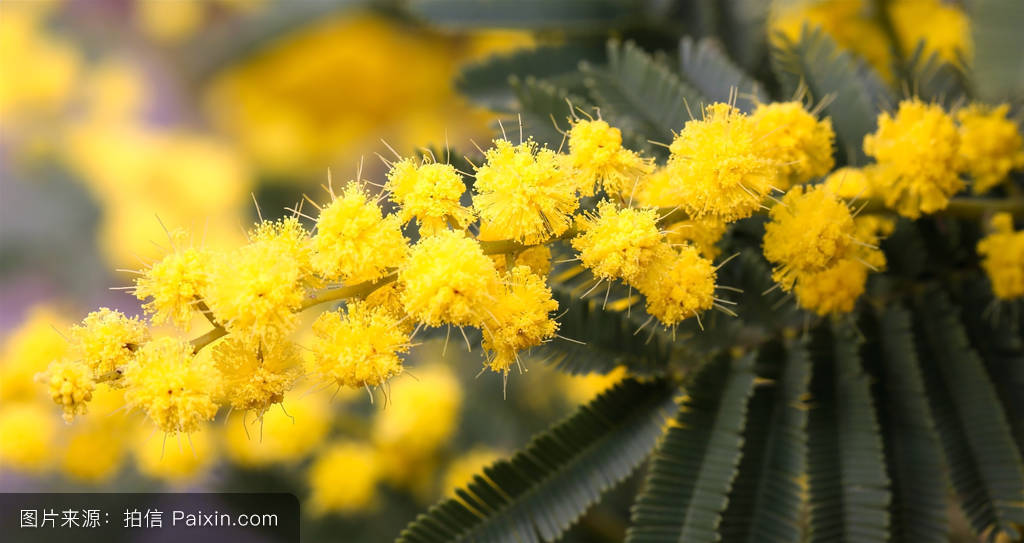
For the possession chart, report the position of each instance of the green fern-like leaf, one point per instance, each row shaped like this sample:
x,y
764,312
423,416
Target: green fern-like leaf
x,y
687,485
742,27
486,82
543,489
912,447
857,93
935,80
848,486
983,459
706,66
996,333
545,111
600,339
637,93
764,505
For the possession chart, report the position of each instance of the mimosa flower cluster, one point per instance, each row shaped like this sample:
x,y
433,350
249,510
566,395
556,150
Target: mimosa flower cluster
x,y
482,260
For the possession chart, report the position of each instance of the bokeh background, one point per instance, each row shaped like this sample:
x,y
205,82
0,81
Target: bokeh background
x,y
119,118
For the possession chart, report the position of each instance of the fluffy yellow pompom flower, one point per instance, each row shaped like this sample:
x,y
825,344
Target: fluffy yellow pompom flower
x,y
174,283
870,230
799,143
618,242
596,156
990,145
343,479
834,290
354,241
107,340
519,319
1002,253
254,292
70,386
538,257
389,299
429,193
522,194
678,284
360,348
917,154
810,230
719,167
177,390
703,234
447,279
256,378
850,183
27,435
289,238
659,189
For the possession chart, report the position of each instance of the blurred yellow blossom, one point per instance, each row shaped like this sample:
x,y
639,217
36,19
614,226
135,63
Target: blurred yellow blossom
x,y
1002,253
293,111
28,350
580,389
98,444
177,459
851,23
284,434
941,26
28,434
40,69
169,20
343,478
990,144
421,416
461,470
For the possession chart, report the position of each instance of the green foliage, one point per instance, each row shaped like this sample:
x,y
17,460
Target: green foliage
x,y
638,93
854,430
918,511
599,339
545,109
543,489
687,485
766,497
487,82
984,461
710,70
847,481
933,79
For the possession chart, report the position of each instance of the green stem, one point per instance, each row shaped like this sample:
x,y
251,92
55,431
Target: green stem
x,y
334,294
962,208
505,246
208,338
205,310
